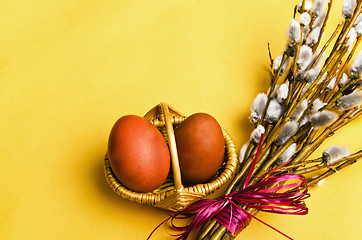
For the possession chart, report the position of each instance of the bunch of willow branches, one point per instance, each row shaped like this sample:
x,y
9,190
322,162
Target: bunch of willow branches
x,y
311,96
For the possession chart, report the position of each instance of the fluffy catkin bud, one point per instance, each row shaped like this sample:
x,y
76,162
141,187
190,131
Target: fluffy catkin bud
x,y
358,85
334,154
243,152
256,134
358,20
300,110
306,31
358,28
320,60
319,20
274,111
312,74
348,8
352,36
300,76
258,106
331,84
321,182
283,92
323,119
350,101
307,5
287,154
304,120
289,129
318,7
313,36
358,25
323,78
274,94
356,66
316,105
305,89
293,33
305,58
278,62
343,81
304,19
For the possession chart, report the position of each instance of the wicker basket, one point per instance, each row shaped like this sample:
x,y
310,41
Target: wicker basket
x,y
171,195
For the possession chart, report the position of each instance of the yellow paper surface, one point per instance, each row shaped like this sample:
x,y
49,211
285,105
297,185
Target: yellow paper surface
x,y
69,69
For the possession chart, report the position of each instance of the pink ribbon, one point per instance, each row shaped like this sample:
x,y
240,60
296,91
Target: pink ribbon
x,y
269,194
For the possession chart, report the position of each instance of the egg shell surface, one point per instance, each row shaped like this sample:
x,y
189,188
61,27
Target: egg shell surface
x,y
200,148
138,154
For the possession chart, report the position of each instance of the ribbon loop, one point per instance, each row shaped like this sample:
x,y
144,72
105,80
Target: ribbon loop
x,y
269,194
229,210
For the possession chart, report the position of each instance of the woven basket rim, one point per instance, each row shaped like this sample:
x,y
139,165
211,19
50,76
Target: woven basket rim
x,y
226,171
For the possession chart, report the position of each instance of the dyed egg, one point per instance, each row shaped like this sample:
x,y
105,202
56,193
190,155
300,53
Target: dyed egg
x,y
138,154
200,147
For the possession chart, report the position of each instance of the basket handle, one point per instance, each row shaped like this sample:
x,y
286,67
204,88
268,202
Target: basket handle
x,y
172,145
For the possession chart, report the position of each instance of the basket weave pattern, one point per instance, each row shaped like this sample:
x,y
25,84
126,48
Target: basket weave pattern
x,y
171,195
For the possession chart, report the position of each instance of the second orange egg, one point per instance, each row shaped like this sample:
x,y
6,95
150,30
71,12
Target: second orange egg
x,y
200,147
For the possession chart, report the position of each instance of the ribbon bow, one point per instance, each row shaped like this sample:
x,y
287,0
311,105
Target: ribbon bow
x,y
269,194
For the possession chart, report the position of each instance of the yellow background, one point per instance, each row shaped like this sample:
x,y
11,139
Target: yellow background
x,y
69,69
